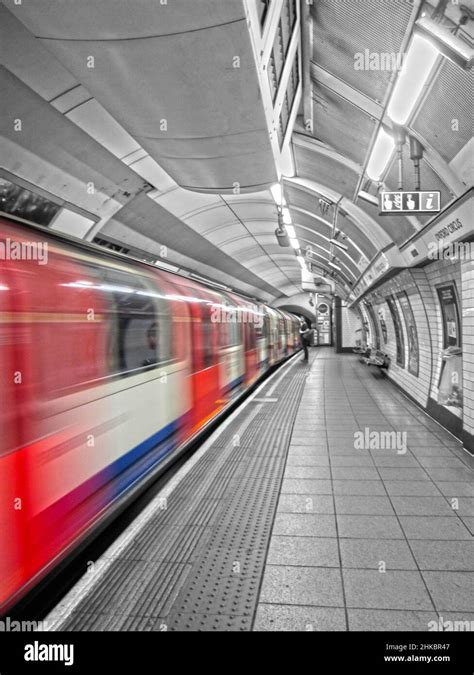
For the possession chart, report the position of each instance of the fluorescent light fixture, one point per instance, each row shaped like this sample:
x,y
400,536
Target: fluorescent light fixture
x,y
367,197
381,152
209,281
417,66
166,266
446,43
301,261
339,245
336,267
286,215
290,230
294,242
277,194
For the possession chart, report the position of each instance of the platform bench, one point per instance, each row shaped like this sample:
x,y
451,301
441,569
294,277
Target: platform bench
x,y
377,358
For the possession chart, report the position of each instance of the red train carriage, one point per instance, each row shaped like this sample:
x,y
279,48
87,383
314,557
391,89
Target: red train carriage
x,y
107,368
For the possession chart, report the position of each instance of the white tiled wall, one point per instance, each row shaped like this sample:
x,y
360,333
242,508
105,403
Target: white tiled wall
x,y
420,285
439,273
350,322
467,294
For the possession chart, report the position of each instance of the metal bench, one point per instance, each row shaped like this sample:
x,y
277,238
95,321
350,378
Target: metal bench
x,y
361,351
377,358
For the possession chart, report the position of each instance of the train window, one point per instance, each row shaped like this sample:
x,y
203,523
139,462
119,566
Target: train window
x,y
230,328
207,347
139,323
235,334
129,330
267,326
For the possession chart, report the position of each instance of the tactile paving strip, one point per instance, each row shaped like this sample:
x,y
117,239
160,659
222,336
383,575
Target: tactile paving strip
x,y
198,563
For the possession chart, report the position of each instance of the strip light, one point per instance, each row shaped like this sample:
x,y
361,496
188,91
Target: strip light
x,y
339,244
382,151
301,261
294,242
417,67
277,194
286,215
367,197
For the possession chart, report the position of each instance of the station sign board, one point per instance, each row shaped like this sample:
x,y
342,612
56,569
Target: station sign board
x,y
428,201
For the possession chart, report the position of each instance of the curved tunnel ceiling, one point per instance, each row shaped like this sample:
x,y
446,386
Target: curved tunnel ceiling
x,y
217,135
192,96
345,107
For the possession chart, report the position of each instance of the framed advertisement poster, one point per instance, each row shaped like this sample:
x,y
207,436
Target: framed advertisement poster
x,y
375,325
413,348
449,309
397,326
382,323
450,376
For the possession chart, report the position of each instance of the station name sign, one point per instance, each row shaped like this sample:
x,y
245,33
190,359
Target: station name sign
x,y
428,201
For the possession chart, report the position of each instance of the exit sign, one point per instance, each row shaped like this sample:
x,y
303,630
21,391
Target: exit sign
x,y
428,201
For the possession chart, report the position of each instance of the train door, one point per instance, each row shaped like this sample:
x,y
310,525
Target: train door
x,y
206,391
249,319
13,484
231,346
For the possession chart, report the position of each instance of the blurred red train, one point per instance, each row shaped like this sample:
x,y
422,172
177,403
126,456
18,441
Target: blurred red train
x,y
108,368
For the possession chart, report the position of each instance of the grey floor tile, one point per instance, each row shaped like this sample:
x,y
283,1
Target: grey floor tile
x,y
464,506
305,525
408,474
469,523
372,505
422,506
451,591
320,472
306,503
423,439
354,473
385,590
317,586
428,451
369,553
372,620
351,460
434,527
455,488
395,461
307,442
303,486
358,487
336,449
369,527
305,551
307,460
300,451
411,488
307,421
293,618
456,621
462,475
444,555
448,462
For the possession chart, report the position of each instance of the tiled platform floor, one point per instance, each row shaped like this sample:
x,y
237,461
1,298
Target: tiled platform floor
x,y
368,538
